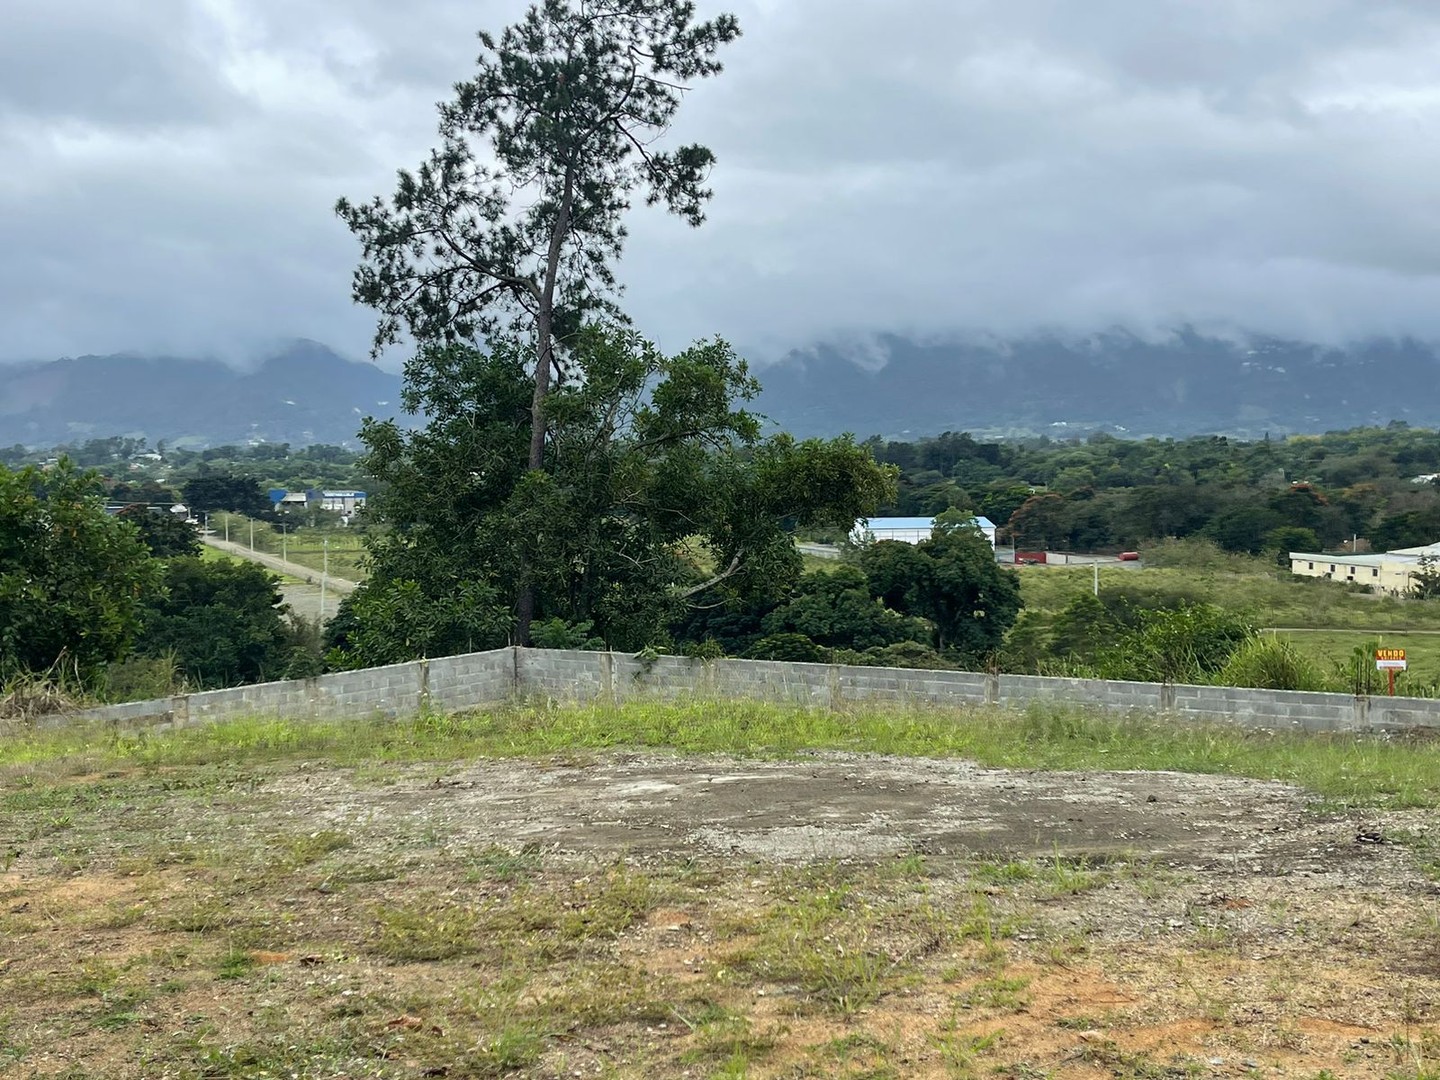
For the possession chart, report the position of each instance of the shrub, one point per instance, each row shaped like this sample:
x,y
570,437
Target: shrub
x,y
1271,663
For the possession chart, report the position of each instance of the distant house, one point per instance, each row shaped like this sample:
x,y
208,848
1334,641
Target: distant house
x,y
909,530
1390,572
344,502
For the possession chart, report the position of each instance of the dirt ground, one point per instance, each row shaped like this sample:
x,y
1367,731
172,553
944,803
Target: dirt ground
x,y
656,915
830,807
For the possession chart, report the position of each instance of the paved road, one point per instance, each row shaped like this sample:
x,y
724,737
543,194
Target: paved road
x,y
820,551
340,586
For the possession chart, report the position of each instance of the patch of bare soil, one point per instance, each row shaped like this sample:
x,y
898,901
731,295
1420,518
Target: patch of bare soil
x,y
831,806
653,915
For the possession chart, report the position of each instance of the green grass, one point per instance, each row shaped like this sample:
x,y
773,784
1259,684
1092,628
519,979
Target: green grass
x,y
1333,648
1343,770
1253,588
211,554
304,545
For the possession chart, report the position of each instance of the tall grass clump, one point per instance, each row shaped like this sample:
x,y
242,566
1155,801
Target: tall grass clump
x,y
1267,662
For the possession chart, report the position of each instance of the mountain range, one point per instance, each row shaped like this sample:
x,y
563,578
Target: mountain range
x,y
303,393
1183,384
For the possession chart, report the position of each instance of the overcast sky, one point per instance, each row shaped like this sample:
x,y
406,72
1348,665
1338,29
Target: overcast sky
x,y
915,166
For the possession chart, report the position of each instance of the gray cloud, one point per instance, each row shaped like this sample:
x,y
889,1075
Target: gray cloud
x,y
924,166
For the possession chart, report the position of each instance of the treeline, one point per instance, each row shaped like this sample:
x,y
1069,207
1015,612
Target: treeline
x,y
1303,492
132,469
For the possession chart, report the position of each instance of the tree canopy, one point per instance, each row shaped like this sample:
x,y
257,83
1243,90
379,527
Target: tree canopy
x,y
513,224
659,494
72,577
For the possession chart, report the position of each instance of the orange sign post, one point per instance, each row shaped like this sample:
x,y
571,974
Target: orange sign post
x,y
1390,661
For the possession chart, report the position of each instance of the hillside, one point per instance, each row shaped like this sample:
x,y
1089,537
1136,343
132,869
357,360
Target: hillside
x,y
301,394
1115,382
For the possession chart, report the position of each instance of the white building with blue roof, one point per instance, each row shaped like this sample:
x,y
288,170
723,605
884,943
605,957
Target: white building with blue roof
x,y
909,530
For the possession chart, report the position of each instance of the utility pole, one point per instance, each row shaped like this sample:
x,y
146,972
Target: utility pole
x,y
283,534
252,534
324,573
1096,565
227,528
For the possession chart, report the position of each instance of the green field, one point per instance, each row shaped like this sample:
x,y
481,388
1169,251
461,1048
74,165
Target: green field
x,y
210,554
1259,594
303,545
1334,648
242,900
1326,621
346,553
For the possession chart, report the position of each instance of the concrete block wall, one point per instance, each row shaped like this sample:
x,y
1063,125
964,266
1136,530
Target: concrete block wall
x,y
910,686
1019,690
491,678
395,690
563,674
472,680
580,676
456,682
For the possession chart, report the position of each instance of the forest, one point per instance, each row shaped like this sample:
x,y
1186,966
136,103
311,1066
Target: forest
x,y
1103,494
1213,517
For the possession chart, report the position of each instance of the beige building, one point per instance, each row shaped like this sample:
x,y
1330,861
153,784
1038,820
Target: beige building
x,y
1388,572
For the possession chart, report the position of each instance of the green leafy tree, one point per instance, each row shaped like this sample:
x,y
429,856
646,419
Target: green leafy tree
x,y
951,580
515,220
72,577
1425,579
1085,629
1408,528
213,491
660,495
223,622
837,610
787,646
1041,522
1290,538
392,621
167,535
150,492
1186,643
1244,528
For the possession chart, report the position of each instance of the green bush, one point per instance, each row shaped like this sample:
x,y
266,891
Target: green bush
x,y
1271,663
793,647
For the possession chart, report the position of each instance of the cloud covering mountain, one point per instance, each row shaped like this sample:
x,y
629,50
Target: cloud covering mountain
x,y
914,166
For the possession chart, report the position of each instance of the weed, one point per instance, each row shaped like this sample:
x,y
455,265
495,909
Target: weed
x,y
996,992
434,930
234,963
728,1039
302,851
1346,771
1080,1023
496,863
515,1047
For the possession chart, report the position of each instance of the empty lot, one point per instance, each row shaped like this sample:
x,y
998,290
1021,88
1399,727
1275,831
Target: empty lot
x,y
639,912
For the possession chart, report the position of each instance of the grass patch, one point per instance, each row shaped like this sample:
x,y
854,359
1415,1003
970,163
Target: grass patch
x,y
1344,770
1255,588
214,935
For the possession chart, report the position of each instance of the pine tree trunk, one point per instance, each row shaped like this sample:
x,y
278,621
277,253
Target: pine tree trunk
x,y
544,363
